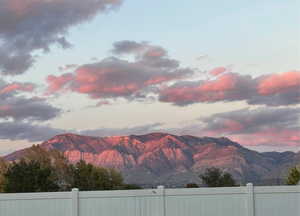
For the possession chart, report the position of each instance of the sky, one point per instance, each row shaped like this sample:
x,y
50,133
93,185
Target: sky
x,y
120,67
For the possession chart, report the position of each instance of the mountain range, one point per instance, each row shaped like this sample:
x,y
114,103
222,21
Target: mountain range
x,y
161,158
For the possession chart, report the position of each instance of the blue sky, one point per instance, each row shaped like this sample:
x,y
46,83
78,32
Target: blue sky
x,y
249,34
252,38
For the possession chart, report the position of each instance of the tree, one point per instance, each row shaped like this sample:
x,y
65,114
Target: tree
x,y
88,177
293,176
191,185
30,176
214,177
3,169
52,159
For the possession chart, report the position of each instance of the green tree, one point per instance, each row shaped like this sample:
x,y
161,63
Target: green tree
x,y
214,177
52,159
88,177
293,176
30,176
3,169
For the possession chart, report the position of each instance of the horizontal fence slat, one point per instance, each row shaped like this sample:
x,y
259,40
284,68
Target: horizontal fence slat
x,y
35,196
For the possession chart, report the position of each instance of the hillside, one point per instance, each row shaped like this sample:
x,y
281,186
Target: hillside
x,y
160,158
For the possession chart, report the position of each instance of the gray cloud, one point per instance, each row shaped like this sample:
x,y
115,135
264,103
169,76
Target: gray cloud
x,y
26,131
16,107
145,53
39,133
129,47
252,120
33,109
34,25
137,130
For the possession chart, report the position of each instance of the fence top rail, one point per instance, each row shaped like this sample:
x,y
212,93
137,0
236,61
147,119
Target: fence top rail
x,y
120,193
276,189
205,191
151,193
35,196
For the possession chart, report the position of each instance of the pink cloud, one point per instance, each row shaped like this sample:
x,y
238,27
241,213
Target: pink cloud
x,y
17,87
114,77
225,87
217,71
56,83
277,83
225,82
270,137
271,90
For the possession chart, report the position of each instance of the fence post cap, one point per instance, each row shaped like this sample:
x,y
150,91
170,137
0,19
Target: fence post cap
x,y
160,187
249,184
75,189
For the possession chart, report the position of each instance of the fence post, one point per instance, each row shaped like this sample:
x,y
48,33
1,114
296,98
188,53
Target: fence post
x,y
75,202
250,200
161,188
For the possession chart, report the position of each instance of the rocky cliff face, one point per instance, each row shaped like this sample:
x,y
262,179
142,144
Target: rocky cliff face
x,y
160,158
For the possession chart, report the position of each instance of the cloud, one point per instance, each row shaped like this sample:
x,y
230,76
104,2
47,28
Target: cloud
x,y
28,26
33,109
251,120
262,126
67,67
129,47
27,131
17,107
270,90
278,83
137,130
250,127
227,87
145,53
217,71
26,87
39,133
114,77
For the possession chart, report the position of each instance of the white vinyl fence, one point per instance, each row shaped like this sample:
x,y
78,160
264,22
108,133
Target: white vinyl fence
x,y
238,201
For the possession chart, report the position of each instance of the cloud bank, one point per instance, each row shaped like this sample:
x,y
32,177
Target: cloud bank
x,y
114,77
28,26
271,90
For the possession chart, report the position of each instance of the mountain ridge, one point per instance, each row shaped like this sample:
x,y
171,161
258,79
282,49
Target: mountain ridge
x,y
162,158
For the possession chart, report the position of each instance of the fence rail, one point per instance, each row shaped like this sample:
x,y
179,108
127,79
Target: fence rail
x,y
238,201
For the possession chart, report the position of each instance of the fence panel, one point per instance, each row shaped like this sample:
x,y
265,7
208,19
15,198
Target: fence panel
x,y
277,201
35,204
204,202
121,203
239,201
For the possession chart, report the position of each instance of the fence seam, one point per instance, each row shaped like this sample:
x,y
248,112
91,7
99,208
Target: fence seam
x,y
250,200
75,202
